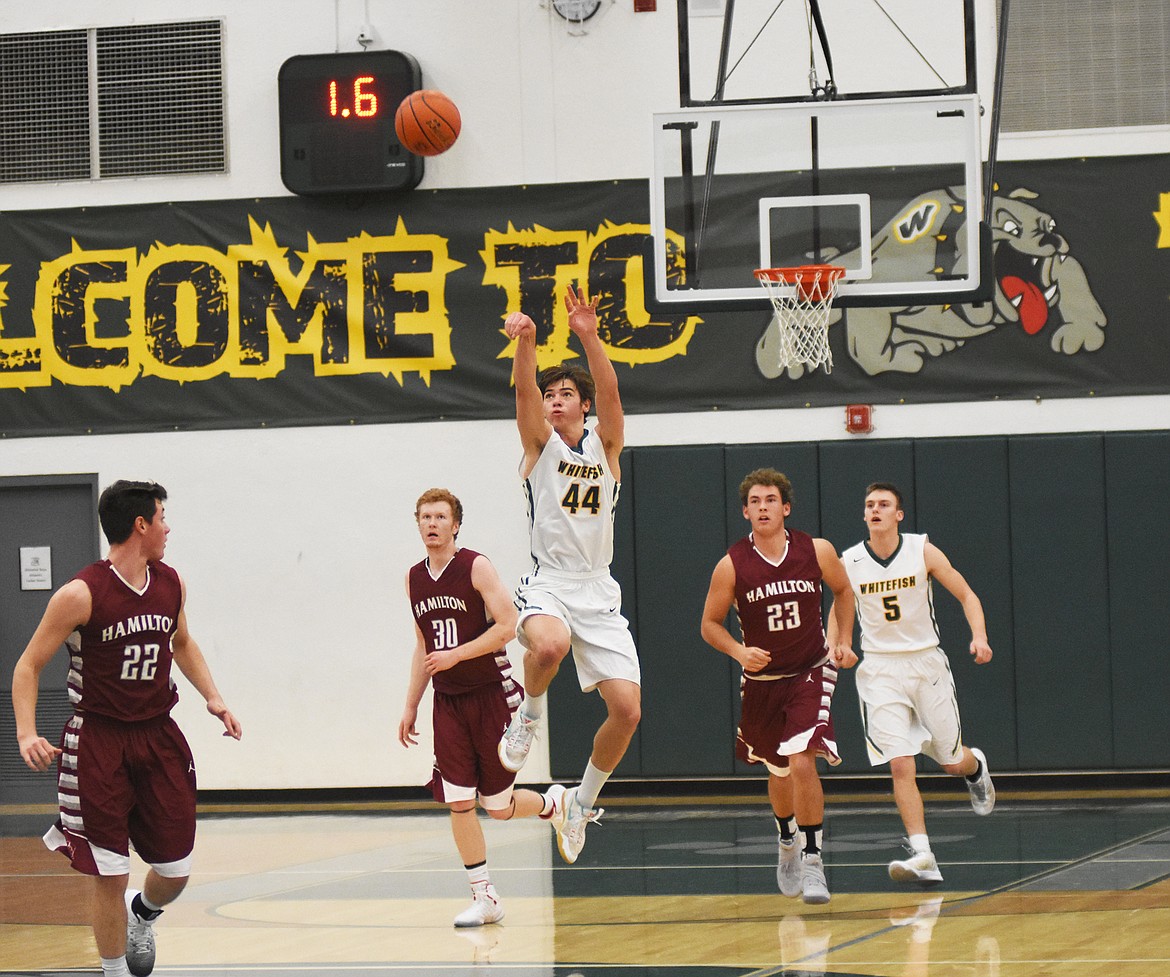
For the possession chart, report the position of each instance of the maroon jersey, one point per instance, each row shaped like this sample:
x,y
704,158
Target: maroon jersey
x,y
779,605
450,612
120,660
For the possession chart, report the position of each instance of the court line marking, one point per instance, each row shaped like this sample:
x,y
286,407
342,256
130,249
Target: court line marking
x,y
968,900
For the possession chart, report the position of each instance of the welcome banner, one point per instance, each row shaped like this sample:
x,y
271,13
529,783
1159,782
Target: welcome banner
x,y
385,308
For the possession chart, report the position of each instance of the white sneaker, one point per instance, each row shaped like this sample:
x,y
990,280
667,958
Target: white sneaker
x,y
139,940
788,869
517,741
982,791
485,908
814,888
570,824
920,867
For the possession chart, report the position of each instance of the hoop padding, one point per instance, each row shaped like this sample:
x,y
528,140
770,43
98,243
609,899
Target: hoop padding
x,y
802,299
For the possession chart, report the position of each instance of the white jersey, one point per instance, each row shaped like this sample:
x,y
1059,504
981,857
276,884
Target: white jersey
x,y
895,604
572,496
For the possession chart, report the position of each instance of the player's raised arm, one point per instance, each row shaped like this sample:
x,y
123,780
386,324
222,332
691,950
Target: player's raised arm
x,y
607,405
535,429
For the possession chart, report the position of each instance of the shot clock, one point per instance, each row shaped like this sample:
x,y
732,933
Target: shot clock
x,y
337,122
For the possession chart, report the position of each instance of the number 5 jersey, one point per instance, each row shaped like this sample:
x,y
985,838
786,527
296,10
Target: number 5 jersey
x,y
895,603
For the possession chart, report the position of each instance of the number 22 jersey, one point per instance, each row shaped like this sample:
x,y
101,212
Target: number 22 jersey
x,y
120,659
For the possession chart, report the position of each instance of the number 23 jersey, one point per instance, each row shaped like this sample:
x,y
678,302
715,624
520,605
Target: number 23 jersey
x,y
779,604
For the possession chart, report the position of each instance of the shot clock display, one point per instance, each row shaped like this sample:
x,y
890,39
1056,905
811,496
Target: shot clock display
x,y
337,122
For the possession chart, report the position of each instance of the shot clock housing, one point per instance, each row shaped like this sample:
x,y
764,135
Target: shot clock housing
x,y
337,122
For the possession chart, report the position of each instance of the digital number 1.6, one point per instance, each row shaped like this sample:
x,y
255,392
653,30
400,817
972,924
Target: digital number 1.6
x,y
365,104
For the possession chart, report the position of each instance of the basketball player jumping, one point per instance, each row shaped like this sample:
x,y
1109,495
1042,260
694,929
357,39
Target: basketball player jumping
x,y
907,691
569,601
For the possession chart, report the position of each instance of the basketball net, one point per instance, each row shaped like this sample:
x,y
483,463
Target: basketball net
x,y
802,299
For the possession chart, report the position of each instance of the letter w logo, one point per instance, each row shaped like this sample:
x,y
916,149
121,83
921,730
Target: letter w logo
x,y
912,226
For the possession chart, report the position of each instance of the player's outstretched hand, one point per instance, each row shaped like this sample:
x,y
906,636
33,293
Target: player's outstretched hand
x,y
582,314
519,325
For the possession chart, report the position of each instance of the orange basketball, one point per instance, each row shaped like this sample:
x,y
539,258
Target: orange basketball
x,y
427,122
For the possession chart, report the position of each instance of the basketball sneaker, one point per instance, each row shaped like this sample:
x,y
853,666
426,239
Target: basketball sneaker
x,y
982,791
485,908
517,741
788,868
139,939
570,824
814,888
920,867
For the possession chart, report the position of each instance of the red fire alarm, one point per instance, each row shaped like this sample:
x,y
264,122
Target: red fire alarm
x,y
859,418
645,6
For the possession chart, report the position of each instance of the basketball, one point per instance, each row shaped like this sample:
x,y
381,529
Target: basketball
x,y
427,122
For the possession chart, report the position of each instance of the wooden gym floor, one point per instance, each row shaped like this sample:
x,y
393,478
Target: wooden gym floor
x,y
1059,886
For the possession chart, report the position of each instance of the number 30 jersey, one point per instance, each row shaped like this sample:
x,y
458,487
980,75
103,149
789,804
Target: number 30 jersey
x,y
779,604
450,612
895,604
572,496
120,659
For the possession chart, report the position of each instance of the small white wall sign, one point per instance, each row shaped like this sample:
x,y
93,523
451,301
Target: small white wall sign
x,y
36,568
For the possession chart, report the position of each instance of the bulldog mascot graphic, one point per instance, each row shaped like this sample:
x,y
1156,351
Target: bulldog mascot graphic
x,y
1039,286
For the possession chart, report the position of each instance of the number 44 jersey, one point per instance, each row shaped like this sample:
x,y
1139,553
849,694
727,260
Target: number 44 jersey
x,y
572,495
120,659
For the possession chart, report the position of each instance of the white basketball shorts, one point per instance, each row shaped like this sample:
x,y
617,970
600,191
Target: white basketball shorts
x,y
908,706
591,608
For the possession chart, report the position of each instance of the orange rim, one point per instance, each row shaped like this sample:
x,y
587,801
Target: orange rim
x,y
791,276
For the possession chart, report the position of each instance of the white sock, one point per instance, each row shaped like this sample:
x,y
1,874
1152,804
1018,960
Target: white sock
x,y
546,810
115,967
533,705
477,875
920,843
591,783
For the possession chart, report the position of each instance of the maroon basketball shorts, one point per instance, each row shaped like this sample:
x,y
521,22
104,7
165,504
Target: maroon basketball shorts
x,y
122,784
468,728
784,716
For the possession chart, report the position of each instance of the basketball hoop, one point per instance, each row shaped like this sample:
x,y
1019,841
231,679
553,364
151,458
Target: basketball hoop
x,y
802,298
